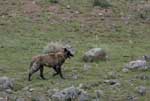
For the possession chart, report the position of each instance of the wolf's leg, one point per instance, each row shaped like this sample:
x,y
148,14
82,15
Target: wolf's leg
x,y
55,69
34,68
41,72
60,72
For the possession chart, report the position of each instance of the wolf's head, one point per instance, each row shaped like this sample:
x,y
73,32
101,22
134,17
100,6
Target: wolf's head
x,y
67,53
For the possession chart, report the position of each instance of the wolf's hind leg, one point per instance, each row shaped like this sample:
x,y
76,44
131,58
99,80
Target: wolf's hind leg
x,y
55,69
34,68
60,73
41,72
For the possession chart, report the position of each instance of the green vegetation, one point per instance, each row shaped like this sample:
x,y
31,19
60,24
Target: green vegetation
x,y
102,3
53,1
27,27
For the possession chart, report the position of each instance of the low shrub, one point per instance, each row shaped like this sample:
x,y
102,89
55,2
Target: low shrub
x,y
102,3
53,1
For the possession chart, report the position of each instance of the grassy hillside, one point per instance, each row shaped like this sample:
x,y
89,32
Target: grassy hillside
x,y
123,30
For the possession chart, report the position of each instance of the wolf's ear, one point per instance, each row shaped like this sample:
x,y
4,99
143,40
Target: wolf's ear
x,y
65,49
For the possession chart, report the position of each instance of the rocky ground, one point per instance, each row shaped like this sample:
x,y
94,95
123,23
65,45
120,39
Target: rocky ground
x,y
109,40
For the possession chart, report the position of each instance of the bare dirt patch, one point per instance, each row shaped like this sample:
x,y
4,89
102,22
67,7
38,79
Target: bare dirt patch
x,y
54,8
30,7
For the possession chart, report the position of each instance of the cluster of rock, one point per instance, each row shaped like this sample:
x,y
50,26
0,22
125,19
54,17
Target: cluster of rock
x,y
68,94
142,64
6,87
79,93
6,84
71,94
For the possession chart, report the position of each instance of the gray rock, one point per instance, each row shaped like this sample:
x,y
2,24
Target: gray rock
x,y
94,54
141,90
20,99
99,94
125,70
116,85
68,6
137,65
6,83
39,98
132,98
9,91
83,86
26,88
84,97
31,89
70,94
77,12
51,92
111,82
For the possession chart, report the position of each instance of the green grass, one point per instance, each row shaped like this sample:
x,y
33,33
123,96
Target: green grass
x,y
22,38
102,3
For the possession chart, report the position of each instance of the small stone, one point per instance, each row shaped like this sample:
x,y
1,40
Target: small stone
x,y
117,85
3,16
99,93
20,99
83,96
100,14
132,98
9,91
6,83
137,65
68,7
125,70
141,90
31,89
77,12
33,2
83,86
111,82
26,88
39,98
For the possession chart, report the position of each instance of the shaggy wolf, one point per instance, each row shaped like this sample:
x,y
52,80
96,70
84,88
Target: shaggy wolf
x,y
54,60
